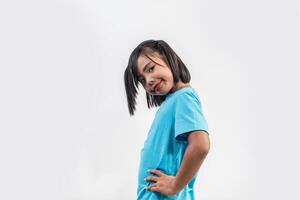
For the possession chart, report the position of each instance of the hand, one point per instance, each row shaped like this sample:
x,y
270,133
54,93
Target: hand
x,y
164,184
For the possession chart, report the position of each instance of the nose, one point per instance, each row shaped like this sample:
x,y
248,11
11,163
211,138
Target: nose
x,y
150,83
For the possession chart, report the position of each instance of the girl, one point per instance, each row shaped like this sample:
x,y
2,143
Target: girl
x,y
178,141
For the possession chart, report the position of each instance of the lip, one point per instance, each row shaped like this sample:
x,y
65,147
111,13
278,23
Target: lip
x,y
157,86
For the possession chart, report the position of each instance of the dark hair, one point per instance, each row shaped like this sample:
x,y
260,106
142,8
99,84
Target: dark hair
x,y
178,69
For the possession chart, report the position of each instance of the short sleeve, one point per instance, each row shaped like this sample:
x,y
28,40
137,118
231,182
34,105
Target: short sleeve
x,y
188,116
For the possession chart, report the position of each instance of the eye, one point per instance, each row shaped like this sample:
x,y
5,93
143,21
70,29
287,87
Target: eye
x,y
142,80
151,68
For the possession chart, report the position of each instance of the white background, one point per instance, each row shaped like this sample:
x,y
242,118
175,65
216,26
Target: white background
x,y
65,129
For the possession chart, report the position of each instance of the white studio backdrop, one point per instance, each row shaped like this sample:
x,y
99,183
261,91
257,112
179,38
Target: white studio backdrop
x,y
65,130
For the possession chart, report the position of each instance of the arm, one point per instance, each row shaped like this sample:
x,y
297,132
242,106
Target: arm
x,y
196,151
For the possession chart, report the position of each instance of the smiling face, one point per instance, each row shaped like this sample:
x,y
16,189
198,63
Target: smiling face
x,y
154,74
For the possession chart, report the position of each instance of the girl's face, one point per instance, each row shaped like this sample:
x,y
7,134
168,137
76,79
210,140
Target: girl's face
x,y
154,74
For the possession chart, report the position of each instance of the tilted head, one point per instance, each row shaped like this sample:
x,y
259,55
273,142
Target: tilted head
x,y
155,66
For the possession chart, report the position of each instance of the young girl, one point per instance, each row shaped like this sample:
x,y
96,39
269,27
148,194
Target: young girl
x,y
178,141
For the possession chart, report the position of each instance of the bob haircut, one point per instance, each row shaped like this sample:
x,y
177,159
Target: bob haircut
x,y
177,67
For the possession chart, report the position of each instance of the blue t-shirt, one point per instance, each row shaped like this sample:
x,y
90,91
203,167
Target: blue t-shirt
x,y
166,142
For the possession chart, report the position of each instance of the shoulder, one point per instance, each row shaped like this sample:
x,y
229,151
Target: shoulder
x,y
188,96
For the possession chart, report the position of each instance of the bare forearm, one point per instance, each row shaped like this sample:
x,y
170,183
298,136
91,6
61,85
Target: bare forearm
x,y
192,160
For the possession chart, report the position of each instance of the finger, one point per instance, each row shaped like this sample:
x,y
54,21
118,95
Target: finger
x,y
155,189
151,178
157,172
151,186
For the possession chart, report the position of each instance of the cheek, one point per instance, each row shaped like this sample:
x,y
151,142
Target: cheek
x,y
170,77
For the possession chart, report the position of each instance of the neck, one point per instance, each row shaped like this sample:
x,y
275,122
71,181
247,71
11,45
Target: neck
x,y
179,85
